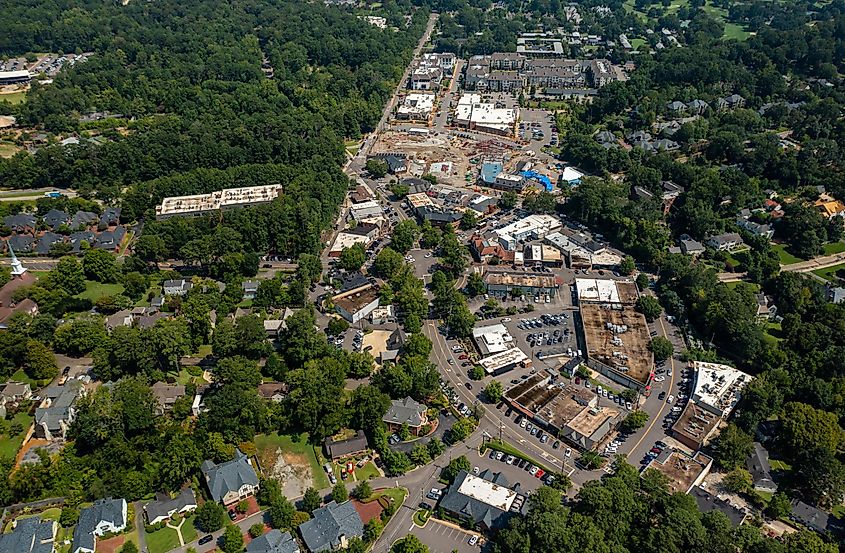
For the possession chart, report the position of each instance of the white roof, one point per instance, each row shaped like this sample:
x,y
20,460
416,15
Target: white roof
x,y
345,240
487,492
471,109
492,339
417,103
14,74
216,200
571,174
533,224
597,290
718,387
505,358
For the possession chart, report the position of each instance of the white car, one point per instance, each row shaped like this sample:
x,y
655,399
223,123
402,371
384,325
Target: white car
x,y
659,378
524,423
510,459
568,453
428,255
670,399
506,320
628,405
475,470
473,540
533,470
676,409
599,390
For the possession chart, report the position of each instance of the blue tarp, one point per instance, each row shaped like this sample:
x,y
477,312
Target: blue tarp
x,y
543,179
490,170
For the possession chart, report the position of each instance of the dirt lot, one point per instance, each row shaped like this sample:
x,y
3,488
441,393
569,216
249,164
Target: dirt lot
x,y
293,464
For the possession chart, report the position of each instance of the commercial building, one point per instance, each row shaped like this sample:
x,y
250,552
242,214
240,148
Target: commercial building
x,y
533,227
230,481
684,471
486,500
572,413
415,107
406,412
492,339
606,291
367,212
503,284
14,77
504,361
356,307
202,204
616,339
474,114
541,255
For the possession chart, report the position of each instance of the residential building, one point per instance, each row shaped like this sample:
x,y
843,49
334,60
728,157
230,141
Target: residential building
x,y
177,287
250,288
105,516
815,519
20,223
163,506
757,464
396,163
13,392
166,395
202,204
766,308
57,410
836,294
829,207
692,247
273,541
56,218
331,527
349,447
697,107
725,242
46,241
273,391
486,500
230,481
30,535
730,102
406,412
416,107
474,114
110,239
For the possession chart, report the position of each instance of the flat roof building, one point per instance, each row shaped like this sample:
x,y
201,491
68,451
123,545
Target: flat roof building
x,y
472,113
684,471
502,284
486,500
416,107
201,204
533,227
593,290
356,307
492,339
502,362
718,387
617,338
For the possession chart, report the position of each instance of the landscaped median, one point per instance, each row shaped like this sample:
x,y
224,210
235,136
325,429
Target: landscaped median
x,y
421,517
508,449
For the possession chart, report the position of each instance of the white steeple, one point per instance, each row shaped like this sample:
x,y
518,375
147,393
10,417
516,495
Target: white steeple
x,y
17,267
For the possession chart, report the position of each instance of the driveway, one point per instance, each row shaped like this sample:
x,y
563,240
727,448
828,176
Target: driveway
x,y
444,423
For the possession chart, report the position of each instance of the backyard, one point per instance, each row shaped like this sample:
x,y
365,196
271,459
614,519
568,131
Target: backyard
x,y
293,462
785,257
9,445
167,538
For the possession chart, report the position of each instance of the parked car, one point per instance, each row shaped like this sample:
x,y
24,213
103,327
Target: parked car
x,y
568,453
473,540
205,539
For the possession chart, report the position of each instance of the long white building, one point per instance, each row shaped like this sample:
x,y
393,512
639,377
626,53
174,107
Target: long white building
x,y
201,204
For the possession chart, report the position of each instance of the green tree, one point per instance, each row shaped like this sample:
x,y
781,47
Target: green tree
x,y
642,281
405,233
661,347
494,391
455,466
650,307
372,530
353,258
806,428
233,540
99,265
311,500
134,285
362,491
339,493
377,168
738,480
508,200
460,319
634,421
780,506
337,326
256,530
626,267
39,362
67,276
129,547
469,220
475,285
210,516
409,544
476,372
732,447
435,447
461,430
69,516
282,513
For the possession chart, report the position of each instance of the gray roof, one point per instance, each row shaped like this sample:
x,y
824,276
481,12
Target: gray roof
x,y
31,535
46,241
77,237
111,216
816,519
110,510
273,542
415,185
163,505
474,509
19,221
21,243
345,447
62,398
405,411
83,218
758,461
56,218
109,239
323,532
692,246
708,502
229,476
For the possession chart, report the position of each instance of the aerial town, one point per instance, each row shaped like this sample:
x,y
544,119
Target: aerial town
x,y
422,276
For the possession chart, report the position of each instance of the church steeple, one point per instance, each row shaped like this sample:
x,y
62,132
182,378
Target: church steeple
x,y
17,267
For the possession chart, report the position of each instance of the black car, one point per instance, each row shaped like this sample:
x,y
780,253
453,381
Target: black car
x,y
468,385
425,505
661,396
205,539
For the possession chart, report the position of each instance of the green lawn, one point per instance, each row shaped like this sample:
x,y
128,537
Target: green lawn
x,y
839,511
834,247
8,150
14,97
48,514
184,377
9,445
367,471
829,273
778,464
22,377
637,42
162,540
735,32
785,257
774,333
398,495
95,290
189,532
267,444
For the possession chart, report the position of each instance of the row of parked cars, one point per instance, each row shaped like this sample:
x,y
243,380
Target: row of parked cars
x,y
530,468
544,320
656,450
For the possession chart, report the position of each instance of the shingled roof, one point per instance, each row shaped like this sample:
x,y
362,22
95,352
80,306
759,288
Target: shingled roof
x,y
331,525
229,476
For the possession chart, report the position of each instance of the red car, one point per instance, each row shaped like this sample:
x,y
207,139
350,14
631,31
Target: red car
x,y
540,473
463,356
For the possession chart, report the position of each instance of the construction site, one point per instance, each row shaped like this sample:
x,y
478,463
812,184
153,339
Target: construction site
x,y
617,338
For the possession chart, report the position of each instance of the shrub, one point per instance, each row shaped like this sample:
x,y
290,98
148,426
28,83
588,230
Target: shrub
x,y
256,529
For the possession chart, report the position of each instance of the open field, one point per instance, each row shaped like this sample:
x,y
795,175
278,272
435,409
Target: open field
x,y
785,257
833,247
293,463
8,150
829,273
95,290
13,97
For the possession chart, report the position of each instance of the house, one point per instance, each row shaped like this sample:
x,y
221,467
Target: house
x,y
19,223
166,395
45,243
273,541
163,506
13,392
676,107
350,447
56,218
730,102
758,465
486,500
836,294
110,239
692,247
606,137
56,412
571,176
755,228
697,106
816,519
177,287
121,318
416,186
829,207
157,302
404,412
83,219
250,288
110,217
274,391
766,309
332,527
77,238
725,242
665,145
105,516
30,535
21,243
396,163
230,481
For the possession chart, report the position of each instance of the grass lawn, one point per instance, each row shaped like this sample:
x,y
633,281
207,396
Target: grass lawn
x,y
421,517
785,257
14,97
20,376
398,495
367,471
774,333
274,441
162,540
185,377
9,445
834,247
839,511
49,514
189,531
8,150
95,290
777,464
829,273
637,42
735,32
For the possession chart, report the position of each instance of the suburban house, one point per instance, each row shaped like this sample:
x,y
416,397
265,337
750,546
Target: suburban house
x,y
273,541
163,506
332,527
816,519
166,395
250,288
56,412
105,516
486,500
758,465
350,447
766,308
13,392
725,242
230,481
406,412
55,218
829,207
177,287
30,535
692,247
274,391
708,502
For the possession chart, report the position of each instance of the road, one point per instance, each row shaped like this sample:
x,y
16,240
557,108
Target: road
x,y
807,266
31,194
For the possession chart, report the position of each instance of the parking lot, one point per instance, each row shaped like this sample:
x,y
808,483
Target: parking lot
x,y
443,538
